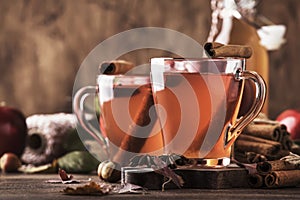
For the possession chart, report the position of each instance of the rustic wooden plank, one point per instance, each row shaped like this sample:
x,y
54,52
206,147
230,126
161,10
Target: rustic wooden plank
x,y
284,67
22,186
38,41
231,177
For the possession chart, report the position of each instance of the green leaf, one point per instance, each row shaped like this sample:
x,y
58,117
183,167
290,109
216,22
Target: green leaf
x,y
78,162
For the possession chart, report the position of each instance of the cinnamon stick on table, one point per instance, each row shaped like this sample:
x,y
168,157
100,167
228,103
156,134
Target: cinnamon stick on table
x,y
246,143
249,157
215,49
281,153
256,180
295,148
286,178
270,131
276,165
137,134
257,139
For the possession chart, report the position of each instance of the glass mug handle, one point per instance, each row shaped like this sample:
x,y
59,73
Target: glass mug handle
x,y
78,108
260,95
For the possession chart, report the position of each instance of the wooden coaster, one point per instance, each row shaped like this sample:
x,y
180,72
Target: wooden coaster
x,y
229,177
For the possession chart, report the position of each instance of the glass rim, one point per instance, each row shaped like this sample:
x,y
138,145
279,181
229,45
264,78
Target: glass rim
x,y
126,79
202,59
227,65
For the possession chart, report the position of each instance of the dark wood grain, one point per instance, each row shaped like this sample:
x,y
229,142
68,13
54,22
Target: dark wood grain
x,y
20,186
42,44
284,63
231,177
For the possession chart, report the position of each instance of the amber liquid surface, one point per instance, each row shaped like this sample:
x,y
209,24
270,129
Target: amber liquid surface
x,y
197,110
118,113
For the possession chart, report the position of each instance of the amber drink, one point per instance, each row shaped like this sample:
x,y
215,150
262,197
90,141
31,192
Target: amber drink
x,y
198,102
128,120
119,106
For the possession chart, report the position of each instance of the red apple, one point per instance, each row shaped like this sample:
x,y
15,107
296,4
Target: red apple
x,y
291,118
13,131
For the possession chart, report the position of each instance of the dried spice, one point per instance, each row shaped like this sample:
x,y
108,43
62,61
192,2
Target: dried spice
x,y
215,49
288,178
174,160
163,169
141,161
103,188
264,140
64,176
171,160
277,165
267,129
116,67
107,171
277,174
9,162
129,188
256,180
89,189
162,165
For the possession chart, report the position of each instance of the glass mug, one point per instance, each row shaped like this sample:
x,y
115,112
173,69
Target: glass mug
x,y
198,102
127,119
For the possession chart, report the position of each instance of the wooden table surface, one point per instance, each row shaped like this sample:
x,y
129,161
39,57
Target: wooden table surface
x,y
22,186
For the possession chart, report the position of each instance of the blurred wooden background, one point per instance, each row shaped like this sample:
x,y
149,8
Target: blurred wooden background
x,y
43,43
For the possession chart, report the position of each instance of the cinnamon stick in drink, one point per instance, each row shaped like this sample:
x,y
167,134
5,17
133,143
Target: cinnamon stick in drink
x,y
215,50
277,179
116,67
137,134
212,45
